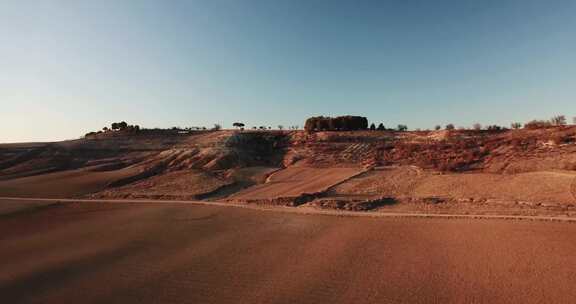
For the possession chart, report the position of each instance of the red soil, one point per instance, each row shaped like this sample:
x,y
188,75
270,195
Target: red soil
x,y
294,181
120,253
535,167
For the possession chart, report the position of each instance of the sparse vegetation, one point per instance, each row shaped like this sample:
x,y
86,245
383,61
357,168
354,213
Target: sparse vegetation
x,y
558,120
495,128
116,127
450,127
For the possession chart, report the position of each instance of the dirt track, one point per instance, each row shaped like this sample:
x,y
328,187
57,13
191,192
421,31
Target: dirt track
x,y
175,253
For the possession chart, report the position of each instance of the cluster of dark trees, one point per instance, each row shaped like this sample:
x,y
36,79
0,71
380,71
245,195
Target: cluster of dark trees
x,y
117,126
379,128
120,126
341,123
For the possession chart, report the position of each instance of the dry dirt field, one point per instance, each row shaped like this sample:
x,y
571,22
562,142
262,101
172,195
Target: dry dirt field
x,y
180,184
68,183
294,181
178,253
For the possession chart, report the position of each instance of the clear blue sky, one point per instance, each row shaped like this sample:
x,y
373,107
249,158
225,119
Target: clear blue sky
x,y
68,67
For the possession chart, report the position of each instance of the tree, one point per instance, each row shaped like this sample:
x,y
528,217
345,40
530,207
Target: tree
x,y
372,127
381,127
345,123
437,127
558,120
119,125
238,125
280,127
105,129
516,125
402,127
450,127
477,127
217,127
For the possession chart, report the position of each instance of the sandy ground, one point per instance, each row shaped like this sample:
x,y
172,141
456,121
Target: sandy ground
x,y
15,207
175,253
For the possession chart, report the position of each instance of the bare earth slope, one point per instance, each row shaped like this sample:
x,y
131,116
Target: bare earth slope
x,y
69,183
543,186
184,184
126,253
529,169
294,181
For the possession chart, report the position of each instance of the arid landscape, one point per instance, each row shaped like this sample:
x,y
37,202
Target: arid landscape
x,y
296,151
529,171
285,216
175,253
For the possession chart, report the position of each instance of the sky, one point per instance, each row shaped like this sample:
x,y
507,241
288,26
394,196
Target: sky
x,y
68,67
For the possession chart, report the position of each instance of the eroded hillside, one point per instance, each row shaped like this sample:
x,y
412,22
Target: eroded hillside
x,y
430,170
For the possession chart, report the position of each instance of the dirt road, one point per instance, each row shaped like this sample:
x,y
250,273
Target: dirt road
x,y
188,253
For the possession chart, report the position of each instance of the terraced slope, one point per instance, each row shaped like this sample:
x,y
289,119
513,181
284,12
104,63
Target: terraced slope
x,y
535,167
295,181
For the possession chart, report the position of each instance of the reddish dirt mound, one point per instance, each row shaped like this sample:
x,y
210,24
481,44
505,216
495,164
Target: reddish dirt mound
x,y
185,184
